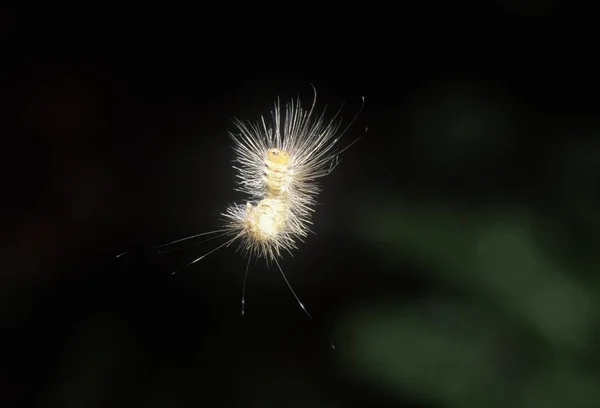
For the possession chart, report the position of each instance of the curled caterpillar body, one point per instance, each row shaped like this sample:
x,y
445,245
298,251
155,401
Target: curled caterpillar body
x,y
278,165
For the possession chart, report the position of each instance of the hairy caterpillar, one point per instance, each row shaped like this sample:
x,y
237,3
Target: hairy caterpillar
x,y
278,164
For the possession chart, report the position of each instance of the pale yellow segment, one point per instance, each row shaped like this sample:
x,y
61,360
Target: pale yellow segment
x,y
277,156
267,219
276,173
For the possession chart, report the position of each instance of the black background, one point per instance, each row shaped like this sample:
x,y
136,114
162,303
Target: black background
x,y
115,139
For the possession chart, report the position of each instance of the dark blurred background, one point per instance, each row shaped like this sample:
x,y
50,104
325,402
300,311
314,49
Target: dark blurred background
x,y
455,260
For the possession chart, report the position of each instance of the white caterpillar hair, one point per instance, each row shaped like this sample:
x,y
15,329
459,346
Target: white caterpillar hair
x,y
278,165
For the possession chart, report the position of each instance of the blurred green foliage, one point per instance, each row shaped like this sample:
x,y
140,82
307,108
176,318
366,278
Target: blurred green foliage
x,y
511,314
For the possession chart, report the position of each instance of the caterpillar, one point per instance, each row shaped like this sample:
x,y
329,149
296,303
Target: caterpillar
x,y
278,164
